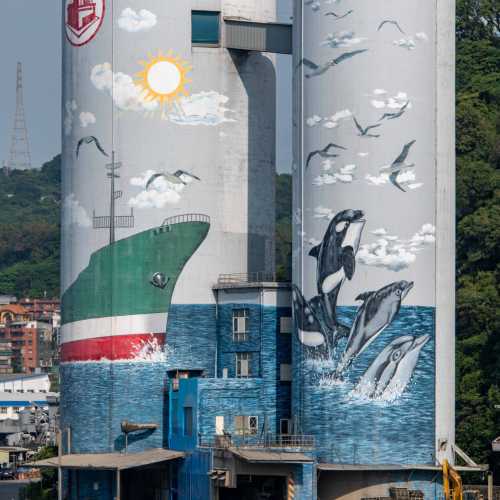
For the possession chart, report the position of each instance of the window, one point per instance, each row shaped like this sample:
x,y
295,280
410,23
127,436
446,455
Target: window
x,y
219,425
285,426
240,325
244,424
243,364
205,28
285,324
3,410
15,408
285,372
188,421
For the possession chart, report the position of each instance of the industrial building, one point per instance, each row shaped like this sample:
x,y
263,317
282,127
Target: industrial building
x,y
187,370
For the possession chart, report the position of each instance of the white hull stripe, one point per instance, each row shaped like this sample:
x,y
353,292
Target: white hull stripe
x,y
113,326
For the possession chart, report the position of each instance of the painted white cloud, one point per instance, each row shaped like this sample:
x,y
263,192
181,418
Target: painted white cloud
x,y
377,180
409,42
345,175
74,213
329,122
421,36
133,21
160,193
393,253
394,102
204,108
126,95
362,154
323,213
87,118
315,5
70,107
342,39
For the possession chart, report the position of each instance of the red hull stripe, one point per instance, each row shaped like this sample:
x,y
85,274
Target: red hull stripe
x,y
111,348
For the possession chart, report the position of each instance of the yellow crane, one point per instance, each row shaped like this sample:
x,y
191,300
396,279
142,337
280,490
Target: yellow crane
x,y
452,482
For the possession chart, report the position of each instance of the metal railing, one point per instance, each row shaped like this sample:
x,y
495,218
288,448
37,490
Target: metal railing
x,y
257,441
178,219
245,278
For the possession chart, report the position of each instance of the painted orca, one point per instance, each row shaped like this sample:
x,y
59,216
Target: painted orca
x,y
375,314
391,371
336,261
308,326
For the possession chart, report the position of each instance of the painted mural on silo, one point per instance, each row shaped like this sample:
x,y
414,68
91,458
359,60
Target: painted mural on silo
x,y
364,224
158,186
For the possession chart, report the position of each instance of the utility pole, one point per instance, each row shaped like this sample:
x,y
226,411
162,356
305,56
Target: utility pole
x,y
20,156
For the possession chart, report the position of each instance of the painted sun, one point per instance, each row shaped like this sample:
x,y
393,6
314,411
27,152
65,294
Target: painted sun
x,y
164,78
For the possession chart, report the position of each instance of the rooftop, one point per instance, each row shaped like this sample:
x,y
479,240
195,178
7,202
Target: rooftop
x,y
111,461
11,377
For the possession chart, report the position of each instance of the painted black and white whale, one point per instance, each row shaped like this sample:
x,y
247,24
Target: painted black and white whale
x,y
307,317
336,261
375,314
391,371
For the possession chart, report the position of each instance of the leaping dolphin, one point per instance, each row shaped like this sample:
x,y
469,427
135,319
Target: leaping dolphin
x,y
336,260
309,328
375,314
391,371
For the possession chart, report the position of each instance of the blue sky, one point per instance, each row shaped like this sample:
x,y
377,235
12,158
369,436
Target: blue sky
x,y
31,33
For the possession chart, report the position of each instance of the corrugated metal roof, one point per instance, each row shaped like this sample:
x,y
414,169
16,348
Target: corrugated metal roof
x,y
9,377
390,467
111,461
267,456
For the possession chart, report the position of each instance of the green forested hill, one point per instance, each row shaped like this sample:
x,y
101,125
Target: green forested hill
x,y
478,228
29,230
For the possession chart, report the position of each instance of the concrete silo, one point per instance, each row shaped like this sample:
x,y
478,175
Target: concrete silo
x,y
168,182
374,240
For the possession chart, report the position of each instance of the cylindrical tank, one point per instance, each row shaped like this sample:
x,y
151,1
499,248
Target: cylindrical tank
x,y
168,182
373,230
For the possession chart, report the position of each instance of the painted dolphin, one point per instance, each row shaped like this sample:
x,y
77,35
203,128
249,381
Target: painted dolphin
x,y
375,314
336,259
309,328
391,371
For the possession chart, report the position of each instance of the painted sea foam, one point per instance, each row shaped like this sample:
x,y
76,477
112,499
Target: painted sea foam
x,y
359,429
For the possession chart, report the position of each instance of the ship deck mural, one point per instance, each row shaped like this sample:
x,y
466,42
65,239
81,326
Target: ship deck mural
x,y
109,313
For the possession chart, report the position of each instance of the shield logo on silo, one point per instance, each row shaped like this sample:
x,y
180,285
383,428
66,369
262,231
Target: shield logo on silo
x,y
83,20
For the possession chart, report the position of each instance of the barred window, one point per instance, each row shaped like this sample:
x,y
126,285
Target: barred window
x,y
240,325
243,364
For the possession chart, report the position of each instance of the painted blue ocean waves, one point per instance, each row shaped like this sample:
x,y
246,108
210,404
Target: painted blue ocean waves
x,y
354,429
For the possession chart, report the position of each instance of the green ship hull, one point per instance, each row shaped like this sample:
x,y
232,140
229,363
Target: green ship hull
x,y
119,279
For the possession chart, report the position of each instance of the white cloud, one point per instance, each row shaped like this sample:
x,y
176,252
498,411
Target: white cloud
x,y
87,118
160,193
324,179
126,95
133,21
396,101
405,43
314,4
421,36
323,213
70,108
204,108
329,121
379,92
74,213
377,180
328,164
362,155
344,175
393,253
342,39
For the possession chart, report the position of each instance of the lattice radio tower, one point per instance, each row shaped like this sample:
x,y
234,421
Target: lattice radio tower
x,y
20,157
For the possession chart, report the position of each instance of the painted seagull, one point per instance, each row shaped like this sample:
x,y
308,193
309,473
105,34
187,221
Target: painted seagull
x,y
399,164
336,16
89,140
318,70
390,21
326,152
397,114
179,177
363,132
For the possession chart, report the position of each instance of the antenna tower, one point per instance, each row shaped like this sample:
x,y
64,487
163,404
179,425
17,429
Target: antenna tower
x,y
20,157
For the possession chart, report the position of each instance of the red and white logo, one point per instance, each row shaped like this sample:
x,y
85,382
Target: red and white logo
x,y
83,20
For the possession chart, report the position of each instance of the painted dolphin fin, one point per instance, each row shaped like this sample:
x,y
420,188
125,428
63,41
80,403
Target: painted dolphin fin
x,y
364,296
349,262
314,252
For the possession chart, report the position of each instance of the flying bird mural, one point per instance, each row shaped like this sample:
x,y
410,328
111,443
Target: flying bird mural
x,y
399,164
390,21
363,131
320,69
337,16
326,152
89,140
178,177
396,114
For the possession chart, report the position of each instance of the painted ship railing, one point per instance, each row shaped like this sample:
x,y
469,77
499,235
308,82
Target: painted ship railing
x,y
257,441
181,219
